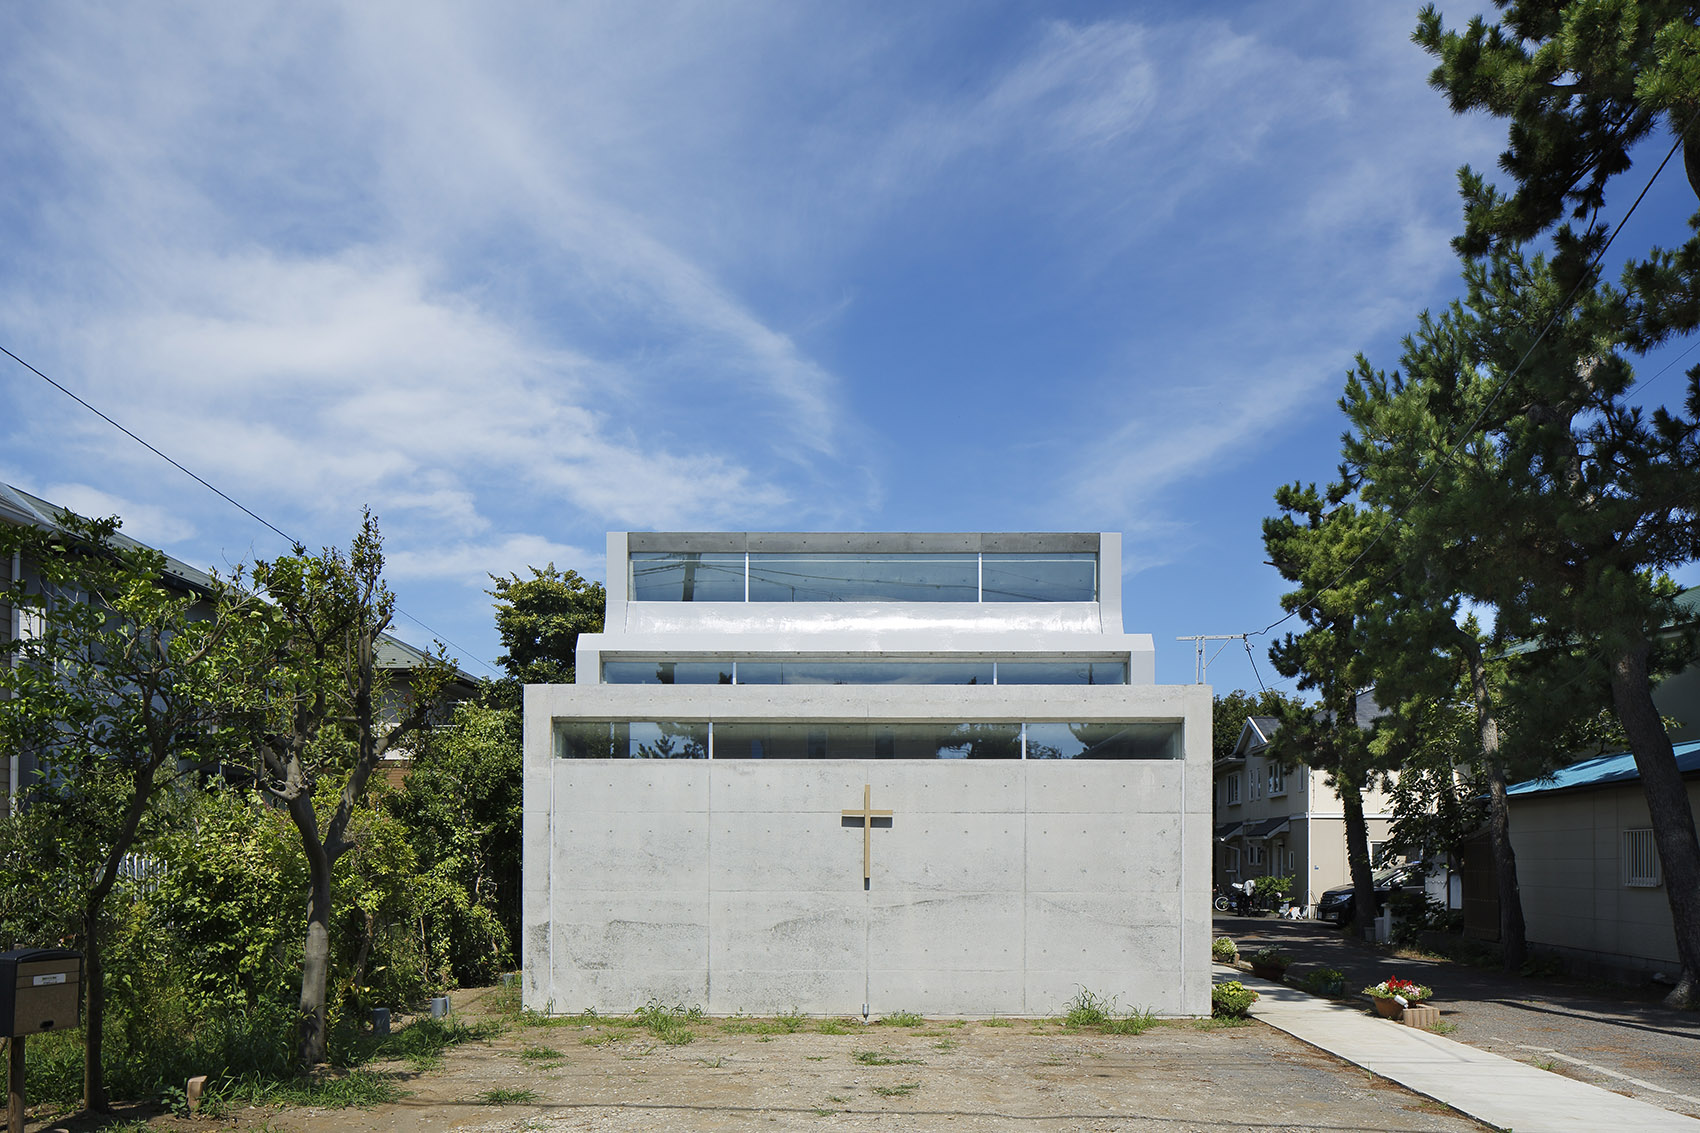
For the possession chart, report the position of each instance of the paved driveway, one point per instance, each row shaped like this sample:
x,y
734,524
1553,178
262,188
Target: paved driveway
x,y
1631,1046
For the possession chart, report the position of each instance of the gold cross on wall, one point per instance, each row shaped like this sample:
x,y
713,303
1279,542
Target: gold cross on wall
x,y
867,814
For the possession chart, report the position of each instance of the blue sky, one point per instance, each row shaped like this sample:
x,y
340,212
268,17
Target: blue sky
x,y
519,274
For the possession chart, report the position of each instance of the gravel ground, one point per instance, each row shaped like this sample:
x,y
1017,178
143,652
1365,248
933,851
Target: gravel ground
x,y
742,1074
1617,1039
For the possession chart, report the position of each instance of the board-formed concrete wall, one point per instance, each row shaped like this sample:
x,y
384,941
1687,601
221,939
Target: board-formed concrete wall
x,y
997,887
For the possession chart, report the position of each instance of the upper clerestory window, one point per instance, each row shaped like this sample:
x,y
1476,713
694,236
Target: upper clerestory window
x,y
766,576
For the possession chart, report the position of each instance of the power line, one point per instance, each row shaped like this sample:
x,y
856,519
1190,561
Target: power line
x,y
193,476
1465,435
221,494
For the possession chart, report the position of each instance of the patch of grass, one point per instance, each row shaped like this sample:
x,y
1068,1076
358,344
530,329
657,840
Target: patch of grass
x,y
815,1057
883,1058
945,1044
599,1039
506,1096
1088,1009
1444,1027
358,1089
1134,1022
792,1021
1550,1064
899,1091
543,1057
956,1023
994,1022
836,1027
717,1062
132,1125
902,1019
821,1112
672,1025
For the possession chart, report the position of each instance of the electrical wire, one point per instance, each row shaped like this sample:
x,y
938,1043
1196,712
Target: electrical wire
x,y
221,494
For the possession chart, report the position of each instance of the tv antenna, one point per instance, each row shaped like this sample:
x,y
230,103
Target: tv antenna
x,y
1201,663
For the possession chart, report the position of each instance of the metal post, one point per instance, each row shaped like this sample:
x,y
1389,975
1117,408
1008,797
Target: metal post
x,y
15,1087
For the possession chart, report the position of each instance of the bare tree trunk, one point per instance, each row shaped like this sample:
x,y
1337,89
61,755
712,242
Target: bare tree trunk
x,y
94,1014
1513,939
1668,806
1357,853
316,954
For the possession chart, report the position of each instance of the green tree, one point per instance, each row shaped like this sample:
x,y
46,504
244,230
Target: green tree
x,y
1312,543
119,682
326,718
1229,711
1562,506
540,619
1581,82
462,806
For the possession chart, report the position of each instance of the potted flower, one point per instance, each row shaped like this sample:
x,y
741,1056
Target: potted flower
x,y
1326,981
1270,963
1223,950
1392,995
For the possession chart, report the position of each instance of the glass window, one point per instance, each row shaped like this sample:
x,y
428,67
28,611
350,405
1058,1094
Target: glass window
x,y
850,740
1062,673
777,577
619,739
1108,741
672,576
1019,577
667,672
866,673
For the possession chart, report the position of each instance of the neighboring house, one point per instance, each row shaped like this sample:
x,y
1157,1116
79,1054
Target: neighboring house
x,y
1275,821
859,773
1587,868
1587,871
18,507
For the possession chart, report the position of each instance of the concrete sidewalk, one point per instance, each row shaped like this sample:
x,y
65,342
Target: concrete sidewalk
x,y
1488,1087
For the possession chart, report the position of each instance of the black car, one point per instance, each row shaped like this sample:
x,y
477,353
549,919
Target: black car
x,y
1336,904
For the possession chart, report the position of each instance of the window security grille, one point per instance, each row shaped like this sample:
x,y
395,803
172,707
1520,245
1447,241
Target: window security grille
x,y
1640,859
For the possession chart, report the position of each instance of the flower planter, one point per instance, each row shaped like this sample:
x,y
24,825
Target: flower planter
x,y
1274,972
1387,1008
1332,989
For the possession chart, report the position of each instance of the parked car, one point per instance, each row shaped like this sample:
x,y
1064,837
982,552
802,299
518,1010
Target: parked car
x,y
1336,904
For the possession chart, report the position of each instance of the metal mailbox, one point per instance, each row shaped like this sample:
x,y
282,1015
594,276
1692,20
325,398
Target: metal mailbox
x,y
40,990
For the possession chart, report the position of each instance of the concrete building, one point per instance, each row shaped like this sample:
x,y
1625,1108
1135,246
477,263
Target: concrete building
x,y
862,773
1281,821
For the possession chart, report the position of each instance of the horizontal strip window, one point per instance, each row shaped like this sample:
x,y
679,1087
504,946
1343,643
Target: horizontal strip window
x,y
830,739
764,576
872,672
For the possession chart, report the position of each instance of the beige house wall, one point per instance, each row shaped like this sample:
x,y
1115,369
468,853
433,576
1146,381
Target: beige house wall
x,y
1570,873
1316,834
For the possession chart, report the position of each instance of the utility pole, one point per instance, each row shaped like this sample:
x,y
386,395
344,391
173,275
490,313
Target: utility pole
x,y
1201,663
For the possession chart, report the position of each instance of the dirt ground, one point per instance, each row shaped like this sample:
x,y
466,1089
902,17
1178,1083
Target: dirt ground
x,y
745,1074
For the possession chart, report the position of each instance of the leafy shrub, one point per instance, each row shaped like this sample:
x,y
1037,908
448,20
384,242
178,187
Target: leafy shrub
x,y
1325,981
1232,999
1271,956
1272,886
1224,950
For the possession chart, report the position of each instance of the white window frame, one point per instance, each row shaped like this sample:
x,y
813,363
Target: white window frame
x,y
1640,859
1231,789
1277,780
1254,781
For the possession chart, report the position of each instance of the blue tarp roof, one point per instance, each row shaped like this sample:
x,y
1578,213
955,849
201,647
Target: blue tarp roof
x,y
1605,770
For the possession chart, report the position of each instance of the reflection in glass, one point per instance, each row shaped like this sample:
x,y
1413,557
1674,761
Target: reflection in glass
x,y
1062,673
1020,577
673,576
667,672
645,739
874,673
776,577
1103,741
853,740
